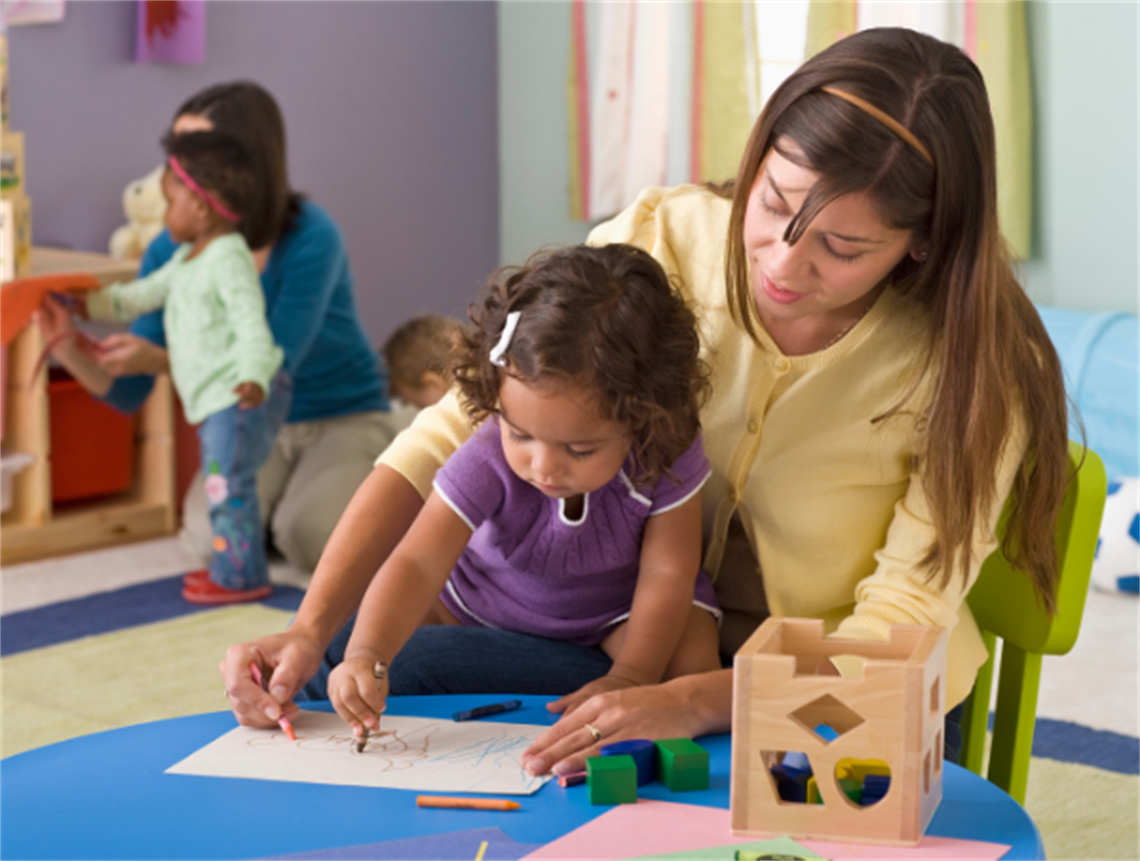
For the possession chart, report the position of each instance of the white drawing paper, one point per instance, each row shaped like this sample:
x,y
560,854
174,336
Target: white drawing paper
x,y
425,754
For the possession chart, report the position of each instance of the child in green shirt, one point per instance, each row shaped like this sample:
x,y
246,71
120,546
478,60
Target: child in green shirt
x,y
223,360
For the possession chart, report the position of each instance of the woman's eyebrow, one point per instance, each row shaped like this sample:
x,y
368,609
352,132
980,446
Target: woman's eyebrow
x,y
866,240
776,186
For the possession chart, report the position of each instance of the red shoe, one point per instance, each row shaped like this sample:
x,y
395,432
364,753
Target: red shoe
x,y
209,592
196,578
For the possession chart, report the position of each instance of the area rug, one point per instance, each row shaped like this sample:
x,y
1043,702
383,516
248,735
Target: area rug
x,y
118,658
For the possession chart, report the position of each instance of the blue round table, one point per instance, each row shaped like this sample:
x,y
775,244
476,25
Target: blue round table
x,y
106,796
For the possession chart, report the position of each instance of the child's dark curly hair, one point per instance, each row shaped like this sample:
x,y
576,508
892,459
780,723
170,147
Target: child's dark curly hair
x,y
606,319
219,163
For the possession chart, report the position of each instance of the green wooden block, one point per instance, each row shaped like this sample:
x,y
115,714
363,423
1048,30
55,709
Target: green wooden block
x,y
612,779
682,764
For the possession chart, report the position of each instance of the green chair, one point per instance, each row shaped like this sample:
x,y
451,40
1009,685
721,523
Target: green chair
x,y
1004,604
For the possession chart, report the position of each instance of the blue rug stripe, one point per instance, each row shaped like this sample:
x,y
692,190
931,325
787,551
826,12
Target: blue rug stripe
x,y
1071,742
141,604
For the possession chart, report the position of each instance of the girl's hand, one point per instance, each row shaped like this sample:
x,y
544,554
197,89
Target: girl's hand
x,y
358,697
54,321
568,703
682,708
125,355
250,395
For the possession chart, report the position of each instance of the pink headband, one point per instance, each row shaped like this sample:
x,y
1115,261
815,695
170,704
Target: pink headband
x,y
201,192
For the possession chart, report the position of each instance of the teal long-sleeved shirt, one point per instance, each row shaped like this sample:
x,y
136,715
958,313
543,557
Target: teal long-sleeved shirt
x,y
214,318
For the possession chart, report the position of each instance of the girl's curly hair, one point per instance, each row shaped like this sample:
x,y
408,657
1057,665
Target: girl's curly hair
x,y
607,319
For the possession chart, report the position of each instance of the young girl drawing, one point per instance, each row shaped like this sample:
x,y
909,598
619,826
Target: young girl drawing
x,y
223,360
573,512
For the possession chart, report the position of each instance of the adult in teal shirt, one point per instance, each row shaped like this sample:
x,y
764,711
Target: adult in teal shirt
x,y
339,421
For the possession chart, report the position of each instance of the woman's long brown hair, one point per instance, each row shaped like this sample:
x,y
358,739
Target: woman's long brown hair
x,y
996,367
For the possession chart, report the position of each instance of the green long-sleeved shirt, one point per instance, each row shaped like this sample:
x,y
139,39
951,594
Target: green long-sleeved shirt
x,y
214,316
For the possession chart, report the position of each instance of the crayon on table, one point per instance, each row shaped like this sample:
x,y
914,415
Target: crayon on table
x,y
487,711
283,722
466,803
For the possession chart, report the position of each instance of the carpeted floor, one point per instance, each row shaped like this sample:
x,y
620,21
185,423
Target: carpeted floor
x,y
84,663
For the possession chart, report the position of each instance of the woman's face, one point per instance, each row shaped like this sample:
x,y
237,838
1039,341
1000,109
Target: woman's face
x,y
192,123
834,268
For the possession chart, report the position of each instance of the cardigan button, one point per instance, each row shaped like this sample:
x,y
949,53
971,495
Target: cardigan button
x,y
753,426
782,364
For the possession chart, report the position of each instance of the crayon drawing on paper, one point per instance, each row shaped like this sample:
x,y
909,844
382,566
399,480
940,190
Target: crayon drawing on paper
x,y
424,754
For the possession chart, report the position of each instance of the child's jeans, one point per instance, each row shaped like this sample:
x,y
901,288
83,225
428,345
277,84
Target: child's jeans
x,y
234,445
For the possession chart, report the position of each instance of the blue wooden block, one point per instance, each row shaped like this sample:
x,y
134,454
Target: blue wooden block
x,y
875,786
644,753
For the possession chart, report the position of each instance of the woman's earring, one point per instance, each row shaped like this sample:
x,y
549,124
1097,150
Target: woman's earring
x,y
922,255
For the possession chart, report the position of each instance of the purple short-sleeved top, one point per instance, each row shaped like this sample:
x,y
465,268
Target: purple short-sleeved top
x,y
528,568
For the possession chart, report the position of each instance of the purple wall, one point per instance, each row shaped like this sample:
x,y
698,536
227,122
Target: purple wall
x,y
390,107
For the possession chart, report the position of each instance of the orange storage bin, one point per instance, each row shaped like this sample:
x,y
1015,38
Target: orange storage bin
x,y
92,445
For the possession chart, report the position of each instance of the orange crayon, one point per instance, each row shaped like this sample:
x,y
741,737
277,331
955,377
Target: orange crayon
x,y
466,803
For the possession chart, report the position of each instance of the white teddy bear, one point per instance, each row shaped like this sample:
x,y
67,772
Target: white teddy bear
x,y
145,207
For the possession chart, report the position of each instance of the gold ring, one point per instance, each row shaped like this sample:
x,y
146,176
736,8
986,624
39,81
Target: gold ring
x,y
594,731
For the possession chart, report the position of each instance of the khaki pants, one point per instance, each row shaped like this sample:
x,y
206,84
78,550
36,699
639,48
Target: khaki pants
x,y
305,485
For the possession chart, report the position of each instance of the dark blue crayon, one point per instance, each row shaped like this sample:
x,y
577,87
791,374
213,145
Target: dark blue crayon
x,y
487,711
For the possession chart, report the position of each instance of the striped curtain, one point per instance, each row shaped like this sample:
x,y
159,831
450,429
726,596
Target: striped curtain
x,y
657,94
665,93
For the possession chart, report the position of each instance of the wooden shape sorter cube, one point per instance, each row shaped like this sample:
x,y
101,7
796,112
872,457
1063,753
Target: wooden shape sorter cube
x,y
893,714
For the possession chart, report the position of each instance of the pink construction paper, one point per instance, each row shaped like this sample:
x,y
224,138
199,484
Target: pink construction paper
x,y
657,827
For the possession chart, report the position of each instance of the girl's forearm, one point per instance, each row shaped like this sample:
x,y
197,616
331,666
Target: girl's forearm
x,y
376,519
408,584
82,367
656,623
393,607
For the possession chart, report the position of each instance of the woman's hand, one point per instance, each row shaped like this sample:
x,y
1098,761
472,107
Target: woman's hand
x,y
357,694
125,355
682,708
568,703
286,661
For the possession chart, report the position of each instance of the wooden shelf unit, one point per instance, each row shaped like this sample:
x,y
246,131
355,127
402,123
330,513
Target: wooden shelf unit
x,y
33,528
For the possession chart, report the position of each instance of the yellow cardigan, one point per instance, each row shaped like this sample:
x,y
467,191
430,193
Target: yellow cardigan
x,y
832,503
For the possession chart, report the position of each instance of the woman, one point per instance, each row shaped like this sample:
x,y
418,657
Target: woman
x,y
880,384
338,420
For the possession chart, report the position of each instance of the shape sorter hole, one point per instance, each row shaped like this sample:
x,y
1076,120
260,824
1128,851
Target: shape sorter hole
x,y
938,754
926,774
824,714
935,706
863,783
791,776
